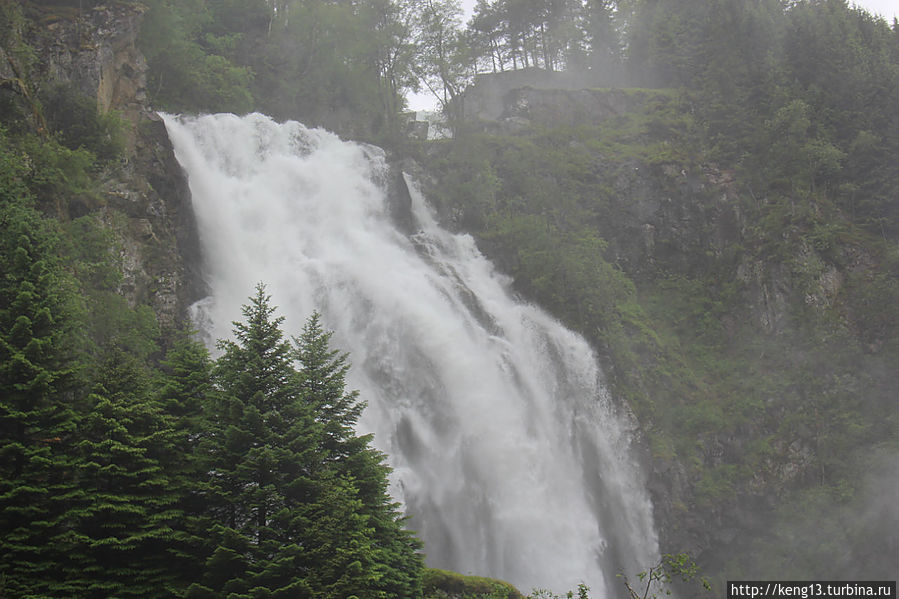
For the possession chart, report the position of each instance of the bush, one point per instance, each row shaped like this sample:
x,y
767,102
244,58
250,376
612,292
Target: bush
x,y
441,584
74,117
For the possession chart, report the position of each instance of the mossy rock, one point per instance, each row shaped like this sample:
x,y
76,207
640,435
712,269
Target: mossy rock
x,y
443,584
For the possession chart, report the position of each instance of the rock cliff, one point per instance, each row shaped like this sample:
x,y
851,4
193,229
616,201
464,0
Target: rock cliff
x,y
146,201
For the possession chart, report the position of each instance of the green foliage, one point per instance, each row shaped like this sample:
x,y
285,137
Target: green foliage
x,y
241,477
245,471
83,492
571,275
313,61
296,497
186,73
796,93
814,526
37,374
750,321
440,584
125,475
60,177
193,79
12,27
18,107
76,120
871,298
657,579
583,592
126,503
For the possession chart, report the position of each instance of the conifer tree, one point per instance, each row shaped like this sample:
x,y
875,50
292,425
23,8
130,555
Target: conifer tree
x,y
38,419
358,467
299,500
322,383
256,378
185,390
122,518
260,446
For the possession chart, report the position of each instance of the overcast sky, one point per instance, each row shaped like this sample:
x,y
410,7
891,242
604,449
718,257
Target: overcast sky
x,y
884,8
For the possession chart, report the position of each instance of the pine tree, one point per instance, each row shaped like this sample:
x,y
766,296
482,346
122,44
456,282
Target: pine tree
x,y
322,383
38,419
261,450
185,391
357,466
121,521
299,500
256,378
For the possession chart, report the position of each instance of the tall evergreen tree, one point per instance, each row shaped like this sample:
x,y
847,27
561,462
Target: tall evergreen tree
x,y
322,383
260,449
38,417
185,390
258,392
299,500
394,552
123,516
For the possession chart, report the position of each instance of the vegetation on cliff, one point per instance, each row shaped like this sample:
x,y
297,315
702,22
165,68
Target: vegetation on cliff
x,y
131,464
729,244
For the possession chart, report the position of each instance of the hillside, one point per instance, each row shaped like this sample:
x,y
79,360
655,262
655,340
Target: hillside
x,y
743,331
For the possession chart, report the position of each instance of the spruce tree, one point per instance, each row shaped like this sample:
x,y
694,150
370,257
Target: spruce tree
x,y
322,383
357,466
38,419
122,519
260,448
255,376
299,500
185,390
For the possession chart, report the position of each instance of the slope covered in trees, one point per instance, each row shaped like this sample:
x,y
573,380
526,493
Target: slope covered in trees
x,y
131,463
726,236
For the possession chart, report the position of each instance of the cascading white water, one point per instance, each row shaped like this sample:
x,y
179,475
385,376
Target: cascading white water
x,y
507,453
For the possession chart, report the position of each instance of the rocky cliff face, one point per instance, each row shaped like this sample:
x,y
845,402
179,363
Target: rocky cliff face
x,y
158,239
96,51
146,201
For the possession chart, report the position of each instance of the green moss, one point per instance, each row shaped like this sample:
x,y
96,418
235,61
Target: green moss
x,y
443,584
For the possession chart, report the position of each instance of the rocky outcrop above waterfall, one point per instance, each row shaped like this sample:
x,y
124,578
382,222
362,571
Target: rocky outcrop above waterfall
x,y
91,55
514,100
94,50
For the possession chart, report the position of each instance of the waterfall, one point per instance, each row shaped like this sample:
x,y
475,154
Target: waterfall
x,y
507,453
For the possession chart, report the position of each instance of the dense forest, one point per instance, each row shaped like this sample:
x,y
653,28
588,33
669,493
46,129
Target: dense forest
x,y
752,330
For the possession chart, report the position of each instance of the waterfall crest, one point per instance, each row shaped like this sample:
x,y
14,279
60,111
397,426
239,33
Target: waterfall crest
x,y
507,453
